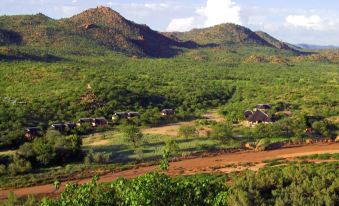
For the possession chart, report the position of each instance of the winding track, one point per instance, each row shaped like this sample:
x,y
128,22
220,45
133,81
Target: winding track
x,y
191,166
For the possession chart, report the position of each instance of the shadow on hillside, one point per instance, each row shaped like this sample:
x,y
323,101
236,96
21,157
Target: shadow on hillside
x,y
46,58
8,37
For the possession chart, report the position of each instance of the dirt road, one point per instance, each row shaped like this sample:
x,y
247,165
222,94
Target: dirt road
x,y
202,164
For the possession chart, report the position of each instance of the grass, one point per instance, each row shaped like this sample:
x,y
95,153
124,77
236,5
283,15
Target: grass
x,y
70,171
151,147
326,156
274,162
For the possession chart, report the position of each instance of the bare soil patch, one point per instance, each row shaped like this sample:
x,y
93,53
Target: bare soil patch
x,y
173,129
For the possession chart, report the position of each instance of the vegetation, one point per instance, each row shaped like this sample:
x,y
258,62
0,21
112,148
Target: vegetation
x,y
295,184
54,71
187,131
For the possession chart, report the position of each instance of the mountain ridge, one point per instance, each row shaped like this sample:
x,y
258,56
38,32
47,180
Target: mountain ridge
x,y
102,27
316,47
229,33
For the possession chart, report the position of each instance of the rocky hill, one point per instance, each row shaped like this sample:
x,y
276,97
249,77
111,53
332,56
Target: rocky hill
x,y
229,33
98,27
104,28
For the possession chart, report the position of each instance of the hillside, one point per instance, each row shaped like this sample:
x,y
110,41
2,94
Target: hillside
x,y
275,42
100,27
229,34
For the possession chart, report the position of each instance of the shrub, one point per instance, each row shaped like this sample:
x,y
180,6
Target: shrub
x,y
97,157
19,166
222,132
263,144
132,134
26,151
187,131
172,146
3,169
44,152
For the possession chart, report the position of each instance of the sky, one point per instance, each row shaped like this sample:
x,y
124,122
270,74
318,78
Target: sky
x,y
293,21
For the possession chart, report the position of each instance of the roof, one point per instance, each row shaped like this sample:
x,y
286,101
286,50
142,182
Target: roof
x,y
57,125
120,113
168,110
263,106
100,118
248,113
133,113
32,129
259,116
84,119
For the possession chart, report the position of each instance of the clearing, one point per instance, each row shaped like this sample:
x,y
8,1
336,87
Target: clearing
x,y
173,129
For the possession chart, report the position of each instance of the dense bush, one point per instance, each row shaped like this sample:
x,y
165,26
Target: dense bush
x,y
53,148
295,184
19,166
97,157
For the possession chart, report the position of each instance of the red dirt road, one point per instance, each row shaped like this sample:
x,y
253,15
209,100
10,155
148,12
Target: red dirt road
x,y
190,166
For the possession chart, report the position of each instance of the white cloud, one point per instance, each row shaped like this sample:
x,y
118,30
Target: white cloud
x,y
213,13
66,10
308,22
221,11
313,22
156,6
181,24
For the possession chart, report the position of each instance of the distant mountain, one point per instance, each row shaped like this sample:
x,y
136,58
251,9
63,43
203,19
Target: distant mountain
x,y
104,28
229,34
98,27
316,47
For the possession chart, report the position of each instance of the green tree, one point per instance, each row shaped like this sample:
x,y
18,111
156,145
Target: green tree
x,y
132,134
44,151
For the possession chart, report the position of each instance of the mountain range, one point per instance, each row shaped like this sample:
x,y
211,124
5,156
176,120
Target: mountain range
x,y
105,28
316,47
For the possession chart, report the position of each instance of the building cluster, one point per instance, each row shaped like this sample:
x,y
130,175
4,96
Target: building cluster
x,y
32,132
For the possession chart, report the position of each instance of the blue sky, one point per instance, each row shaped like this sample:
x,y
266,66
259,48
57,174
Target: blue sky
x,y
294,21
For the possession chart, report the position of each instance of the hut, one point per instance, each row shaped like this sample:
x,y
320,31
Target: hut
x,y
59,127
84,121
133,115
248,114
119,115
167,112
32,132
263,106
99,122
259,116
70,125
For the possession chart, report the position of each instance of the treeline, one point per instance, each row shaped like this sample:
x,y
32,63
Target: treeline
x,y
295,184
51,149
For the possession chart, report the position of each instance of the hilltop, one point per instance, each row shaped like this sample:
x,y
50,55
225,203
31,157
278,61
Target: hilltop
x,y
229,33
102,28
